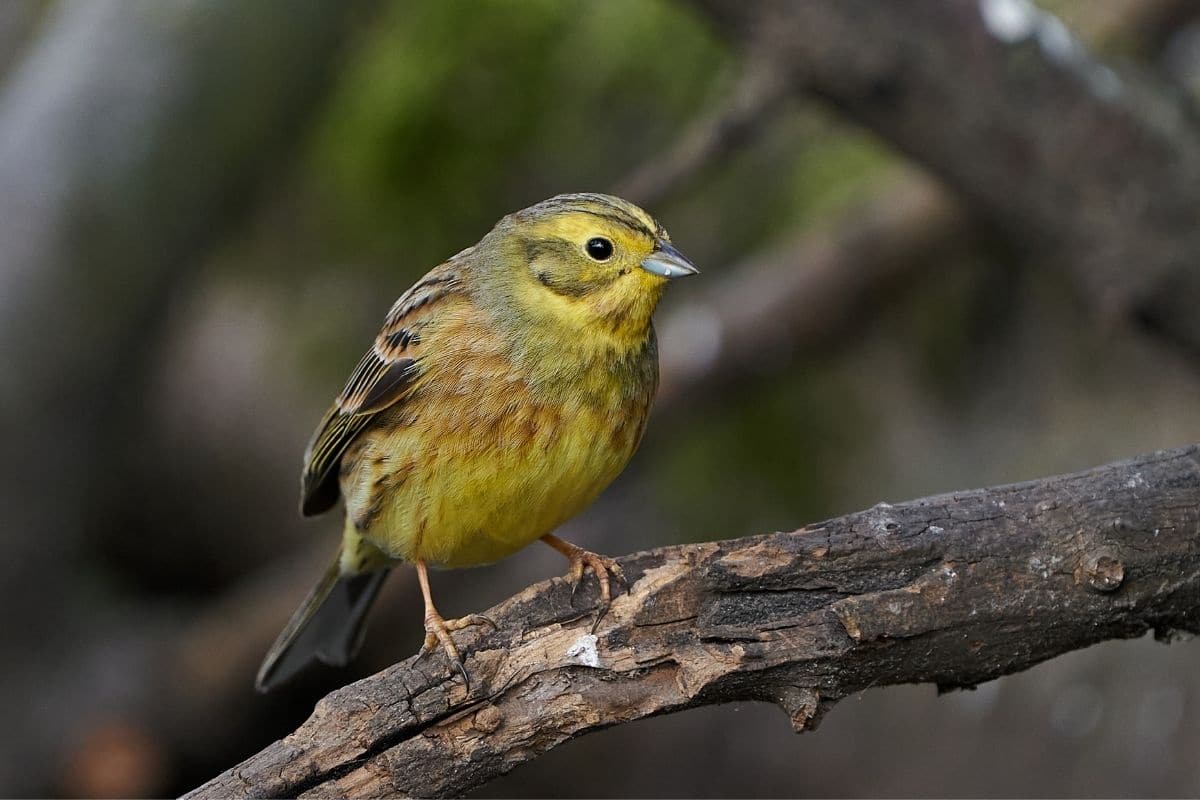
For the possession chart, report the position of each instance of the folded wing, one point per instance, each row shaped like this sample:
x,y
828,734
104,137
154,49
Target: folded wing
x,y
385,376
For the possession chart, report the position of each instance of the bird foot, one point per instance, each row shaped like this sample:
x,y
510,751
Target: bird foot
x,y
437,632
602,566
580,560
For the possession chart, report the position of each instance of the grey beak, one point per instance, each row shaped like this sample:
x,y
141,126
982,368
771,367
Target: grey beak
x,y
668,262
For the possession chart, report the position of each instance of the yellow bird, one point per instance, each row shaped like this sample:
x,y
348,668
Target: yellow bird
x,y
507,389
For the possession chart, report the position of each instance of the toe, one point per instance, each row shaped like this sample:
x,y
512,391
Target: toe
x,y
598,567
451,649
480,619
468,621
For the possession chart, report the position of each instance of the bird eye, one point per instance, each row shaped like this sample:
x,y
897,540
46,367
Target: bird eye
x,y
599,248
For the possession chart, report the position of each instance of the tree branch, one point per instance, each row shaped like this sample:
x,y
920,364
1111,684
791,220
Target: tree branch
x,y
953,590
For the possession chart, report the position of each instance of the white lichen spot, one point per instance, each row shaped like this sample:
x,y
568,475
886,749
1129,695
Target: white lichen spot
x,y
583,651
1039,567
1137,481
935,530
894,607
1009,21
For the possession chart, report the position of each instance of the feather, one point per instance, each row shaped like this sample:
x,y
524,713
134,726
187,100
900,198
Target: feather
x,y
385,376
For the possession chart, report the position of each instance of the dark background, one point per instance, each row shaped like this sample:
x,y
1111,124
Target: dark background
x,y
206,208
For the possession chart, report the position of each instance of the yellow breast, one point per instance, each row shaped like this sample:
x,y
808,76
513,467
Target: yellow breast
x,y
480,462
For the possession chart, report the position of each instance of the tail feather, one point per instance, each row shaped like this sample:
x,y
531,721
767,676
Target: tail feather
x,y
328,626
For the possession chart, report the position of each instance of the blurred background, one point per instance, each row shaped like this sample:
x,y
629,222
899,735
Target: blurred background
x,y
918,276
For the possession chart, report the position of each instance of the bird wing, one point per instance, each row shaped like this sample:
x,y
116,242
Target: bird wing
x,y
385,376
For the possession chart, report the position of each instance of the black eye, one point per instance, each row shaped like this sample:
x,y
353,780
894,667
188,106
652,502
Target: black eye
x,y
599,248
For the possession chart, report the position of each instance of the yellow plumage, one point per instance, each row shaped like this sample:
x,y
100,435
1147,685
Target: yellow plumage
x,y
506,390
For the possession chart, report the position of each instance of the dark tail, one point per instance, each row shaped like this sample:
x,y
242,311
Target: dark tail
x,y
328,626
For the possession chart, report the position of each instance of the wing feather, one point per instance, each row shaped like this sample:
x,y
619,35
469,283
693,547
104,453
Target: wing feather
x,y
385,376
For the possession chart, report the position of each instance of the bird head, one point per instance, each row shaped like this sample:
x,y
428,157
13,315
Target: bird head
x,y
592,262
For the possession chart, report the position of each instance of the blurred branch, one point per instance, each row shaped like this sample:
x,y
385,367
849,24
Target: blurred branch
x,y
1097,170
810,288
819,283
760,92
952,590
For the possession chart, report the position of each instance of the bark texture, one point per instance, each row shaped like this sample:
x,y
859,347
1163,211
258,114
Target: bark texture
x,y
954,590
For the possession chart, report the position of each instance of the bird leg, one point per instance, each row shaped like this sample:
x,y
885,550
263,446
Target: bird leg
x,y
437,629
581,559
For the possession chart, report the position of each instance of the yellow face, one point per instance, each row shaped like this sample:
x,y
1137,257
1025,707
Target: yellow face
x,y
591,262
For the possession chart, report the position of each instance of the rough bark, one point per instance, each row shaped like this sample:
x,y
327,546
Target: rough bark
x,y
1093,169
954,590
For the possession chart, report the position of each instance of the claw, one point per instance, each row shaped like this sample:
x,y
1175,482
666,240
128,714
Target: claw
x,y
437,632
581,560
437,629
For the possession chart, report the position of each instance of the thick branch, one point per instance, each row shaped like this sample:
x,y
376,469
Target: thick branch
x,y
953,590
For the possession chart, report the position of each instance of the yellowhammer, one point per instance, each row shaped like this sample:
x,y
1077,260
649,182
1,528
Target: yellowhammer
x,y
507,388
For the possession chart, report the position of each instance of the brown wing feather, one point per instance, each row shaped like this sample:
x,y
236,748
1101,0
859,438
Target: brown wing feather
x,y
384,377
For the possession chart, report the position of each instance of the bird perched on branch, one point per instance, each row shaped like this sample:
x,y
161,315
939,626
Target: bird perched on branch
x,y
507,389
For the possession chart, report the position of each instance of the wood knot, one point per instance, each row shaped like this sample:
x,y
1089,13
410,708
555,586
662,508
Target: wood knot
x,y
1102,571
487,719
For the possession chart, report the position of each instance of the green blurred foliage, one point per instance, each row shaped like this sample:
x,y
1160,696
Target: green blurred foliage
x,y
453,109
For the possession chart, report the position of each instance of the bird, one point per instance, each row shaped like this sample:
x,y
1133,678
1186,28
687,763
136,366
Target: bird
x,y
506,389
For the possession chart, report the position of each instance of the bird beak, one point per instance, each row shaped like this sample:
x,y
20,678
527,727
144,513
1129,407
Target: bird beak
x,y
668,262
